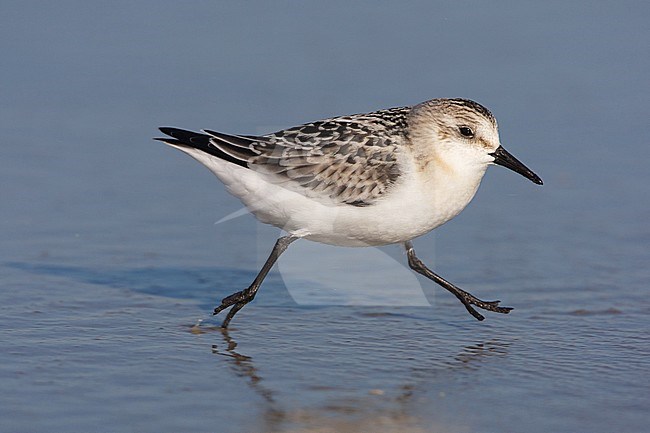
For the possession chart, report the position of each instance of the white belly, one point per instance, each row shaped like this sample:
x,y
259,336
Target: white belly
x,y
413,207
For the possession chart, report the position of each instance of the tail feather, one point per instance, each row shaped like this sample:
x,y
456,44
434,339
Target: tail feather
x,y
196,140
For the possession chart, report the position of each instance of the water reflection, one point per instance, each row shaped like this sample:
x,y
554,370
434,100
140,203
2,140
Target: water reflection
x,y
243,367
381,410
474,354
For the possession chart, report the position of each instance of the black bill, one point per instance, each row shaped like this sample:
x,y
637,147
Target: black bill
x,y
503,158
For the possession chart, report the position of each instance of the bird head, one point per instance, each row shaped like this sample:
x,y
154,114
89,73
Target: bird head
x,y
465,134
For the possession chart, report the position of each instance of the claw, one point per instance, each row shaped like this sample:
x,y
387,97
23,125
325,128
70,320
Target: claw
x,y
468,300
493,303
237,301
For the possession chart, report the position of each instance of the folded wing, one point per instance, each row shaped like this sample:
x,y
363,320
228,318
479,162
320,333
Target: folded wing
x,y
346,160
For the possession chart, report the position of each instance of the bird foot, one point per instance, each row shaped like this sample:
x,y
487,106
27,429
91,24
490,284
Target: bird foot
x,y
237,301
468,300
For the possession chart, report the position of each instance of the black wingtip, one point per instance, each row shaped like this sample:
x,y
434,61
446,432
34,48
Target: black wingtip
x,y
167,130
177,132
172,139
183,139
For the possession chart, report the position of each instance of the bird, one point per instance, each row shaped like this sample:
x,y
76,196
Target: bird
x,y
362,180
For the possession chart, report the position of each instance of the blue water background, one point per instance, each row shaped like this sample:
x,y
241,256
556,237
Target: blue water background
x,y
109,255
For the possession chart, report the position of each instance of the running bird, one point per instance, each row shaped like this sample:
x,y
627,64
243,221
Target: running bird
x,y
370,179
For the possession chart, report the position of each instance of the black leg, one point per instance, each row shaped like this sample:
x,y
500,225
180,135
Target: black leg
x,y
466,298
239,299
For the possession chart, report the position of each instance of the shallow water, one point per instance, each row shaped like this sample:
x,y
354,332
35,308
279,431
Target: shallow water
x,y
110,261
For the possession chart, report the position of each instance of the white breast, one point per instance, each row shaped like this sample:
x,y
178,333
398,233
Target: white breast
x,y
419,202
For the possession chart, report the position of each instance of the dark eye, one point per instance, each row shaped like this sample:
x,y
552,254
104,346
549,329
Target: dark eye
x,y
466,131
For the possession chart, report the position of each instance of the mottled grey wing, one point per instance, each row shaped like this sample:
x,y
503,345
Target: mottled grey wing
x,y
348,159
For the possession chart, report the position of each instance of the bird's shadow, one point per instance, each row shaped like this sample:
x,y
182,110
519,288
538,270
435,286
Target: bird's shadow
x,y
200,284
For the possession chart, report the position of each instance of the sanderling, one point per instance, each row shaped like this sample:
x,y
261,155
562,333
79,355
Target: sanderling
x,y
368,179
